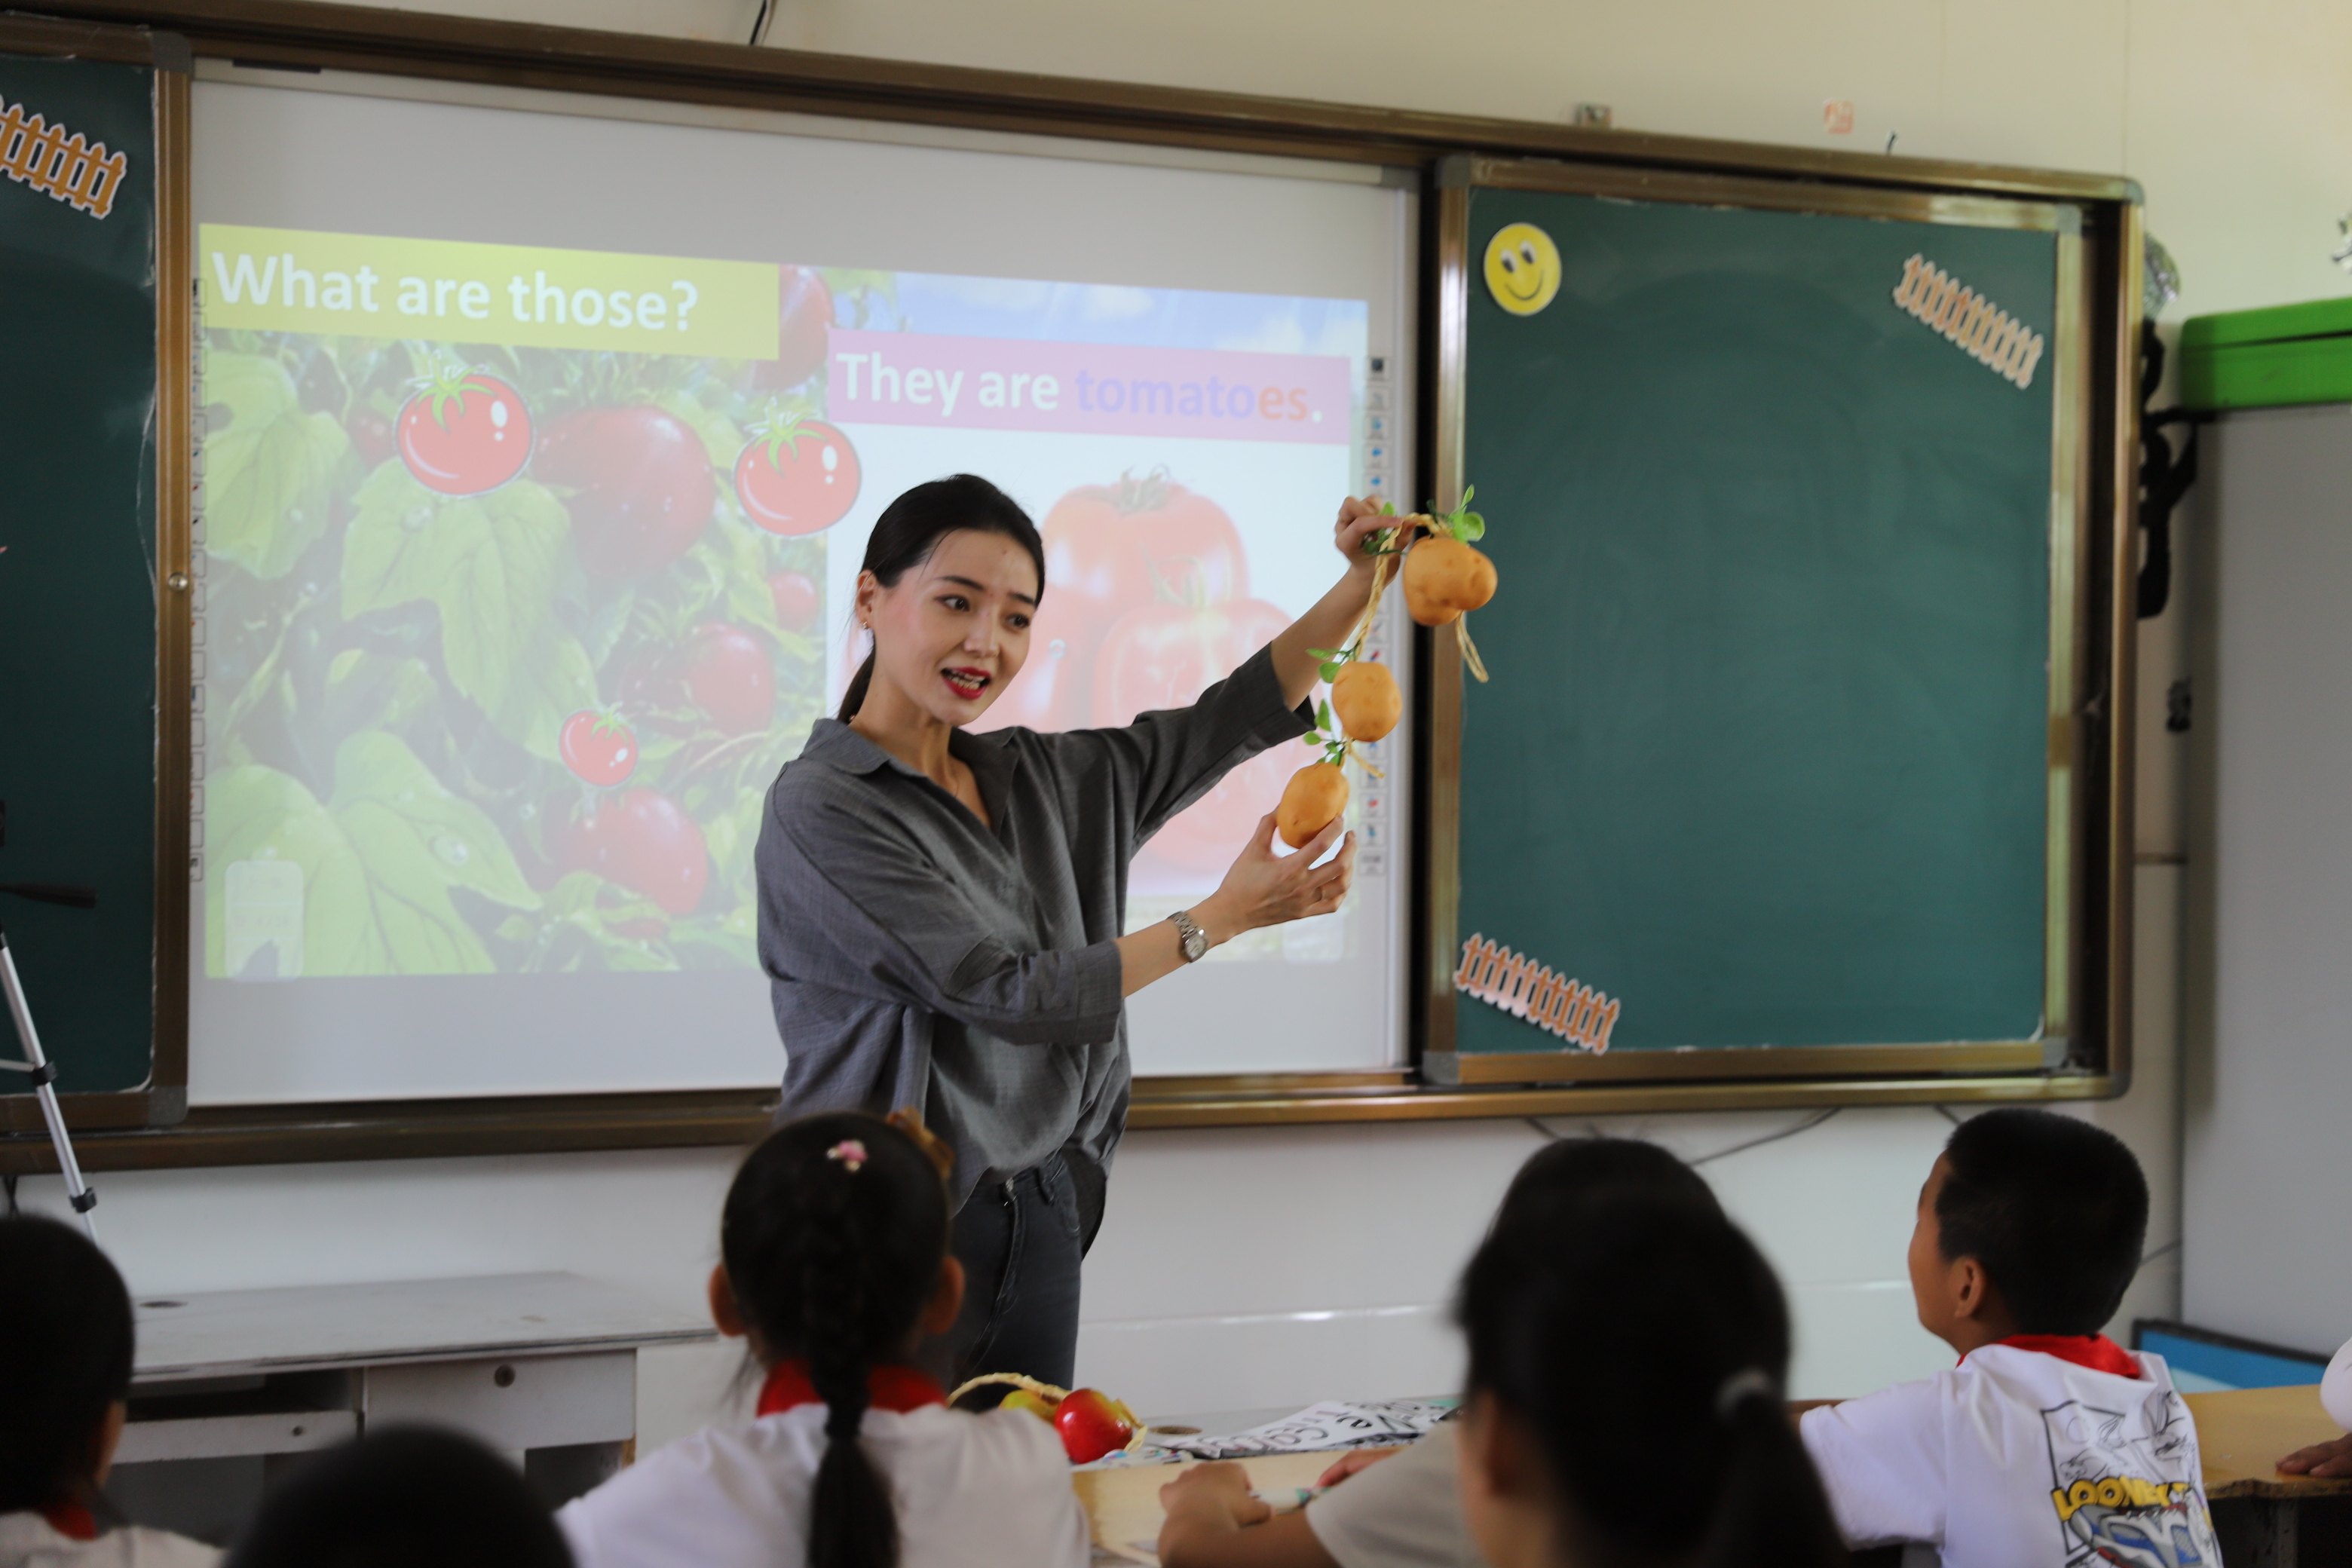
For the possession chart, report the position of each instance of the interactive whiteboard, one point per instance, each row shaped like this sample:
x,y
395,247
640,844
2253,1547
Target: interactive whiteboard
x,y
540,448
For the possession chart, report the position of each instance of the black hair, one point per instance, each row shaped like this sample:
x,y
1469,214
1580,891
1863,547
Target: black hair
x,y
1573,1170
1641,1341
911,527
65,1317
402,1496
2055,1210
834,1235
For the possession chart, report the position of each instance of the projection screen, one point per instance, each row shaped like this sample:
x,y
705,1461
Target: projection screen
x,y
541,441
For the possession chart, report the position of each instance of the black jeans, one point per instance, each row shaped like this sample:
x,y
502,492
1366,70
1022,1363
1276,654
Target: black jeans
x,y
1021,1243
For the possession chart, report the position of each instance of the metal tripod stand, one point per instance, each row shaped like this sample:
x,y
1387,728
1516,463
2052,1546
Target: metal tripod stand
x,y
42,1070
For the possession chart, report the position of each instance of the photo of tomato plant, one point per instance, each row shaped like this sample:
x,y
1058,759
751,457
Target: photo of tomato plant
x,y
505,644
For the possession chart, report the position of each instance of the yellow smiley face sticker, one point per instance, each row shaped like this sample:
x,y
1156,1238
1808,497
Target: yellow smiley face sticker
x,y
1522,268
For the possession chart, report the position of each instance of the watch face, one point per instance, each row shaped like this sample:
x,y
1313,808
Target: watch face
x,y
1196,943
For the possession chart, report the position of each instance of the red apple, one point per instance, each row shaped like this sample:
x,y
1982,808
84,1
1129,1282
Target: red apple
x,y
1092,1424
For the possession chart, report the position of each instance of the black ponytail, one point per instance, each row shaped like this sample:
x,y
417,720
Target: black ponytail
x,y
833,1236
1643,1341
910,527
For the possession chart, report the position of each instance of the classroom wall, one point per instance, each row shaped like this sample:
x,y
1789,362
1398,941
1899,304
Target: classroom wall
x,y
1268,1266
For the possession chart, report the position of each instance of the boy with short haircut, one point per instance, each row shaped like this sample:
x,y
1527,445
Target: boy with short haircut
x,y
2048,1444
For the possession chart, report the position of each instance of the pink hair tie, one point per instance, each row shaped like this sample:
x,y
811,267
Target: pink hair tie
x,y
849,1152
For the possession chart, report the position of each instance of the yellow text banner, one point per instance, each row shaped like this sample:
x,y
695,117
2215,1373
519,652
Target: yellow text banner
x,y
292,280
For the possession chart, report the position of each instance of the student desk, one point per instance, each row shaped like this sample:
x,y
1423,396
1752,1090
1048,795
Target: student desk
x,y
1123,1506
2267,1519
228,1385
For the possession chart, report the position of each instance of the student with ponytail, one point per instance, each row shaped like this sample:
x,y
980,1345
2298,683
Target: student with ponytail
x,y
833,1263
1625,1410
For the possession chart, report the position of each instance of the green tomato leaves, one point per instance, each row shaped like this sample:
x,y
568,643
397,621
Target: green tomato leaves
x,y
377,864
493,565
268,464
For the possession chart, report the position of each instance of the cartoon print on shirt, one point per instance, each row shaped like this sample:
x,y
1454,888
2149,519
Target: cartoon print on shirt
x,y
2128,1499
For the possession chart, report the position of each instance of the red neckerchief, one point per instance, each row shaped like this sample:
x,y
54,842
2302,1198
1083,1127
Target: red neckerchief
x,y
2096,1351
73,1520
896,1388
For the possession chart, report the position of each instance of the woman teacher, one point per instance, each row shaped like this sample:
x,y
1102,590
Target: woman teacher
x,y
939,911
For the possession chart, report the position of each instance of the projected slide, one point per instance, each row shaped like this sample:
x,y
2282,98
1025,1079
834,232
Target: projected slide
x,y
529,568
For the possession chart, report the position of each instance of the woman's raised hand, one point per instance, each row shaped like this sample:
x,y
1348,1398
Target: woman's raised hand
x,y
1360,519
1264,889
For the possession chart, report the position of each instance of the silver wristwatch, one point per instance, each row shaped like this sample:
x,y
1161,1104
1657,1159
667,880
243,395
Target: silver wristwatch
x,y
1190,939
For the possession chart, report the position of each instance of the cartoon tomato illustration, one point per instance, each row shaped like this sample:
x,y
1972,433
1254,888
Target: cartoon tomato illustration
x,y
464,432
598,748
644,843
803,325
640,483
1141,542
796,476
730,678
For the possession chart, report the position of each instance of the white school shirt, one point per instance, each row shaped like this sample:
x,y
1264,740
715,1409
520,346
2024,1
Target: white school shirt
x,y
1403,1513
28,1540
2016,1458
974,1491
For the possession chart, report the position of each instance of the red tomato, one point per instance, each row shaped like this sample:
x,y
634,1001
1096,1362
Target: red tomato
x,y
599,748
798,476
730,678
644,843
1054,690
465,432
799,605
1143,541
640,483
1164,656
803,323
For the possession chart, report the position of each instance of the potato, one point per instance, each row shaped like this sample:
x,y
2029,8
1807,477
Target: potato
x,y
1366,698
1444,578
1312,800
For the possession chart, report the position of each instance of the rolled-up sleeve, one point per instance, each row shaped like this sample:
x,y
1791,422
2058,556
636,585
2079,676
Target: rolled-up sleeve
x,y
868,912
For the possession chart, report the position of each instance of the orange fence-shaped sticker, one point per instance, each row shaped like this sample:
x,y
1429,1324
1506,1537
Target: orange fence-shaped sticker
x,y
1526,989
58,164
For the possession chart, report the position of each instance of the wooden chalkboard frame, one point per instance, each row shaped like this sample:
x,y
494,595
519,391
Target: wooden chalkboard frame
x,y
299,35
162,1100
2086,1045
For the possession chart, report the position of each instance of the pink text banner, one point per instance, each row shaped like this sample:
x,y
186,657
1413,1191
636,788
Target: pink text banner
x,y
1014,384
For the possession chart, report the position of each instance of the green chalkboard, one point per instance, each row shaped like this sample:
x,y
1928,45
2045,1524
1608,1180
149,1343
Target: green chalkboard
x,y
77,540
1765,752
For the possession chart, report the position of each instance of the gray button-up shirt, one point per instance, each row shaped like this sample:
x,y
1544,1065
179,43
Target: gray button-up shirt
x,y
918,957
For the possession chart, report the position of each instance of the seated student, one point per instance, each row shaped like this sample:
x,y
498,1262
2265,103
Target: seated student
x,y
1624,1410
402,1496
1403,1511
2048,1444
834,1265
66,1337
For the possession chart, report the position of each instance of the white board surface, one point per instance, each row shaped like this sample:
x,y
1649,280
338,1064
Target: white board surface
x,y
506,627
